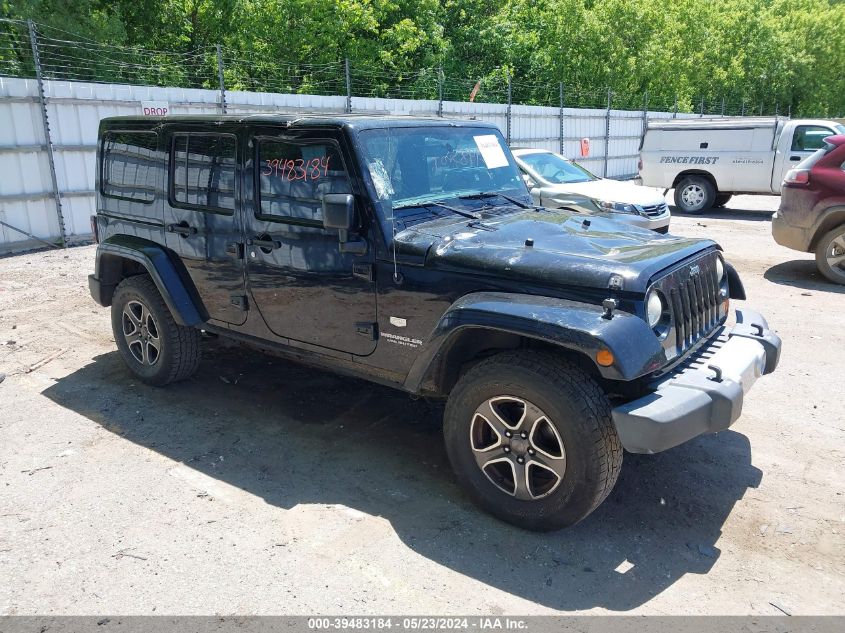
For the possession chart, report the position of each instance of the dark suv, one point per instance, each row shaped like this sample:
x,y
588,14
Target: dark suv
x,y
811,217
408,252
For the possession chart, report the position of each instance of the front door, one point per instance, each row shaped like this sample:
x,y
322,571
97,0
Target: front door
x,y
305,286
201,222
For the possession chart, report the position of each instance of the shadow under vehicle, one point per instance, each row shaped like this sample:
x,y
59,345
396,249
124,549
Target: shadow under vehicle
x,y
293,435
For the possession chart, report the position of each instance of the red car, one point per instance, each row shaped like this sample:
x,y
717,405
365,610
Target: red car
x,y
811,217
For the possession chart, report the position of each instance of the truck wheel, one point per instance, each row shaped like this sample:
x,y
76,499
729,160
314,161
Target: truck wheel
x,y
830,255
694,194
153,345
531,439
722,199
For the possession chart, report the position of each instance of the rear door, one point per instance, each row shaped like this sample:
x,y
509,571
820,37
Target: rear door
x,y
804,140
200,217
304,286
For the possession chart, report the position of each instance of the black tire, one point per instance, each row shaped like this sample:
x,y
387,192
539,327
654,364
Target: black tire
x,y
694,195
722,199
157,349
577,409
828,251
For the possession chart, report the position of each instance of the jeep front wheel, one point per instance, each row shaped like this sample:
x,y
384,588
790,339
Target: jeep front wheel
x,y
156,348
531,439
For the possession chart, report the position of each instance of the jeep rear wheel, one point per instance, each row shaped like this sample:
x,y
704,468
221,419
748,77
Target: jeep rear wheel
x,y
694,195
531,439
156,348
830,255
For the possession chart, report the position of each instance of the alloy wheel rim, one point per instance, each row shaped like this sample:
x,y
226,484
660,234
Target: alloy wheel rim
x,y
517,447
141,333
693,196
835,255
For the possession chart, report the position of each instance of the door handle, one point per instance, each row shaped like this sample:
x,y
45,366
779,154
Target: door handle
x,y
263,243
794,158
182,229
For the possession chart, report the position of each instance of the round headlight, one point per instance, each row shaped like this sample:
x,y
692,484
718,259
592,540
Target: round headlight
x,y
720,268
654,309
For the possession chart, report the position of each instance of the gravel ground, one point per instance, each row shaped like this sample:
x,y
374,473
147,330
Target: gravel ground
x,y
263,487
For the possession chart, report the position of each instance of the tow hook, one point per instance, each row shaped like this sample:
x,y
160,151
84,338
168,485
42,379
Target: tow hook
x,y
609,306
716,370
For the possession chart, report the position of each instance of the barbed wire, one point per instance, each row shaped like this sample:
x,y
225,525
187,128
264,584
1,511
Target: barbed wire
x,y
68,56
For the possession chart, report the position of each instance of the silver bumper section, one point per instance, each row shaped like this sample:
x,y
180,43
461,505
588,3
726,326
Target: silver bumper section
x,y
704,394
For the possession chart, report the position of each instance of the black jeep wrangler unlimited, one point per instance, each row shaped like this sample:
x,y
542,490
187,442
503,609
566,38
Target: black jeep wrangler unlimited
x,y
408,252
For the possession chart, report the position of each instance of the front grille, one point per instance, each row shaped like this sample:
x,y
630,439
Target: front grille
x,y
692,292
653,210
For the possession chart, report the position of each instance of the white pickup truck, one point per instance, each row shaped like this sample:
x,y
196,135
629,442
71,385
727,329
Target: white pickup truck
x,y
707,160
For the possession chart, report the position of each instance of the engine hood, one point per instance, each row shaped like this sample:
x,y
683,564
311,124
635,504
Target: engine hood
x,y
566,251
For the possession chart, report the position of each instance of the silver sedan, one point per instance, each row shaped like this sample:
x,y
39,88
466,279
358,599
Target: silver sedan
x,y
555,182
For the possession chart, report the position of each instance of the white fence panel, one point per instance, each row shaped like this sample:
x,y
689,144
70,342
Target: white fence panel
x,y
76,108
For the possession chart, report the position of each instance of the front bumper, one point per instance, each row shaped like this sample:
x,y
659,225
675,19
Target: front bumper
x,y
704,394
659,223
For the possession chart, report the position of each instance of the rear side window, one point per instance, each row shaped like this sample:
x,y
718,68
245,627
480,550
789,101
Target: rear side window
x,y
129,165
203,171
809,138
293,177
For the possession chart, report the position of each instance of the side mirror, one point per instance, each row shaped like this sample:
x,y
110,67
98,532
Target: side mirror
x,y
338,212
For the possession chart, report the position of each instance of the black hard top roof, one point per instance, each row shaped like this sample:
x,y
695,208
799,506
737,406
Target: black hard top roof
x,y
303,120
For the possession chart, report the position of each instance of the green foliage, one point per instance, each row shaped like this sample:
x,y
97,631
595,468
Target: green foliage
x,y
745,52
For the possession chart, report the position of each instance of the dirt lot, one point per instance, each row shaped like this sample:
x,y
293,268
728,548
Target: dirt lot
x,y
263,487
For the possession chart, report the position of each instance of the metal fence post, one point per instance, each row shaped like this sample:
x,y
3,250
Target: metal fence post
x,y
510,103
702,107
723,106
348,86
607,132
645,118
561,118
220,78
777,109
761,107
743,107
36,58
675,107
440,91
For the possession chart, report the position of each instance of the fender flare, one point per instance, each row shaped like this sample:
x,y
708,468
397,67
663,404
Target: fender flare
x,y
826,221
172,280
571,325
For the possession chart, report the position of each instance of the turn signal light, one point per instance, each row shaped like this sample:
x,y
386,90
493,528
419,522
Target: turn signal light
x,y
604,357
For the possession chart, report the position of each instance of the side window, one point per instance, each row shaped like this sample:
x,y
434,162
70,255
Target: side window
x,y
203,171
809,138
293,176
129,165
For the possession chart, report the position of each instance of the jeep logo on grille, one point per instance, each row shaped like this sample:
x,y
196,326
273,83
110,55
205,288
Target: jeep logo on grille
x,y
694,270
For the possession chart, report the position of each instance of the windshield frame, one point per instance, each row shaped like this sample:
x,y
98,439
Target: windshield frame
x,y
535,175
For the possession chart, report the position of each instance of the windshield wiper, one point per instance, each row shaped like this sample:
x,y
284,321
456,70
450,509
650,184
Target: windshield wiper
x,y
492,194
466,214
